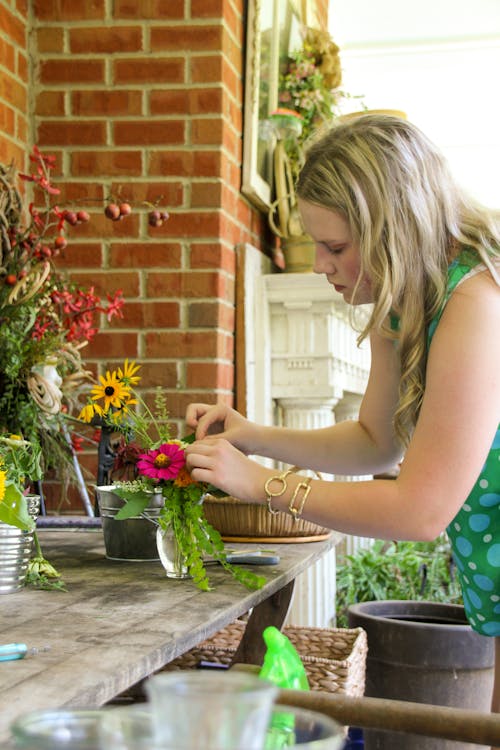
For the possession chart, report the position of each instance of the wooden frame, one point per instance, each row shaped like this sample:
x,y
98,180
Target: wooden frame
x,y
269,37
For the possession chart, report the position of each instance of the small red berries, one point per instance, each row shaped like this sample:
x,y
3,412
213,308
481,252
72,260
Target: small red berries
x,y
112,211
11,279
125,209
156,218
60,243
83,216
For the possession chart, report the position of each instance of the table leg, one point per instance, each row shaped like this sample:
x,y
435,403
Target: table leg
x,y
271,611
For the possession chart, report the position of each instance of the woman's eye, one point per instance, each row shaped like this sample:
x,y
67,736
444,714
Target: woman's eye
x,y
335,249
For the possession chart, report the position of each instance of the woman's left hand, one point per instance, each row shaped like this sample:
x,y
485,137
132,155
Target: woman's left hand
x,y
215,461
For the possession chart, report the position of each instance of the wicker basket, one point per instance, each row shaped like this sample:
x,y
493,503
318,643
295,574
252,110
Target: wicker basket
x,y
235,519
334,658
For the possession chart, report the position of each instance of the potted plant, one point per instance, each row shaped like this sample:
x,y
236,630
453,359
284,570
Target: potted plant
x,y
155,483
420,646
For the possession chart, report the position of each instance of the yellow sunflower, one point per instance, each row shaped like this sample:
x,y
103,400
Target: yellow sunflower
x,y
111,390
89,411
127,375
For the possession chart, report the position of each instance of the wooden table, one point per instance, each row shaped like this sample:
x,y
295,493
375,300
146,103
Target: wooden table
x,y
121,621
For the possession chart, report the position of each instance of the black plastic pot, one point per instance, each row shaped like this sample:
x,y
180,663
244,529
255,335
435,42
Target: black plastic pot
x,y
424,652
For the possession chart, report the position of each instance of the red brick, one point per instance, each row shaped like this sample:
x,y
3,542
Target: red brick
x,y
206,194
193,224
207,131
186,37
148,9
158,374
212,255
208,8
211,315
194,101
7,55
149,70
207,68
69,10
151,314
12,27
186,163
50,39
113,344
107,282
50,104
71,70
68,132
209,375
106,102
13,92
188,285
185,344
99,163
145,255
102,227
80,195
7,120
109,40
80,255
149,132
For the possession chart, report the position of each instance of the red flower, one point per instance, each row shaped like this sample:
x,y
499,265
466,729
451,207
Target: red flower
x,y
162,463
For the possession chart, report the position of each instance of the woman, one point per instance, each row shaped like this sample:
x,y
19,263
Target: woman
x,y
392,228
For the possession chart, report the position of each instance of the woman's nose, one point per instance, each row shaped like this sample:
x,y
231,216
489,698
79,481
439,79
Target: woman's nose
x,y
323,262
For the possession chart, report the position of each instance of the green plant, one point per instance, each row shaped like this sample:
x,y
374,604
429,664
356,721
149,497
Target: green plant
x,y
152,462
397,570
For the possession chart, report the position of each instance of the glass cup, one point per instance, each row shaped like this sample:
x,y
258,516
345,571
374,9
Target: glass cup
x,y
57,730
210,710
127,728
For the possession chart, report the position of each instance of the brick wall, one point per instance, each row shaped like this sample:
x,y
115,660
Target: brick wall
x,y
13,81
142,100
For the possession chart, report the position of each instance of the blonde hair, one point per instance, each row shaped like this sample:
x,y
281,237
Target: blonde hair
x,y
410,218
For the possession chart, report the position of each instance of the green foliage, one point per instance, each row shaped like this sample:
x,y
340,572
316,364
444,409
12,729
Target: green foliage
x,y
397,570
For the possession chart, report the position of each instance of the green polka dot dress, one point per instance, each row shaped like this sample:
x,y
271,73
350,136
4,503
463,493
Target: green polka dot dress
x,y
475,531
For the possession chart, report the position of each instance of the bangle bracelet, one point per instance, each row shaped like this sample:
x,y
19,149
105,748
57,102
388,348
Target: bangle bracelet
x,y
270,494
305,487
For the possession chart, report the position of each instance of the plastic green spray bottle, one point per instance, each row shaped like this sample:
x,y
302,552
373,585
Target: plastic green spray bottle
x,y
283,667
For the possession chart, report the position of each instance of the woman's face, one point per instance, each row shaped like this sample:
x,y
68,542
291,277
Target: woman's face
x,y
337,255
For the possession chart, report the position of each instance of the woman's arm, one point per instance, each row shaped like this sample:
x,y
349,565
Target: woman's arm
x,y
455,429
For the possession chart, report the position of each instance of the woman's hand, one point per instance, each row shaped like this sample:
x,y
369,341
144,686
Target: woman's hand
x,y
222,421
216,461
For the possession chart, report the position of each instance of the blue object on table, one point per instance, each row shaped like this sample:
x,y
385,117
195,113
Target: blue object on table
x,y
354,739
11,651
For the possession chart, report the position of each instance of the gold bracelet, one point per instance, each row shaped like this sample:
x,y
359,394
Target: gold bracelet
x,y
270,494
305,486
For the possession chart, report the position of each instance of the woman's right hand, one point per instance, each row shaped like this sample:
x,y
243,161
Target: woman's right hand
x,y
220,420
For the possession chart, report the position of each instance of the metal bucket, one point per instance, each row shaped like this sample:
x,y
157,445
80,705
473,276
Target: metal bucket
x,y
15,551
133,539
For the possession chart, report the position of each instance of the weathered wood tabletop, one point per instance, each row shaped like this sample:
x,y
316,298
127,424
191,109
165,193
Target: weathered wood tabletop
x,y
118,622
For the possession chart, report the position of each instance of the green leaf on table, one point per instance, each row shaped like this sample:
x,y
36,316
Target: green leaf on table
x,y
14,509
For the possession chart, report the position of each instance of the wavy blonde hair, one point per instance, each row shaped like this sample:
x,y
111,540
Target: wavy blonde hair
x,y
410,218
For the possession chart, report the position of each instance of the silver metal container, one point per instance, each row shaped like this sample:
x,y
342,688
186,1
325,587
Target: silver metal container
x,y
132,539
15,551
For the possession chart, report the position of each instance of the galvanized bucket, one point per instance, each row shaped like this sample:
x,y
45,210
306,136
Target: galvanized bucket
x,y
15,551
133,539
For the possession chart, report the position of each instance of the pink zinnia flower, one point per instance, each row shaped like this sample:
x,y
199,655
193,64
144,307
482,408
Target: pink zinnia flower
x,y
164,462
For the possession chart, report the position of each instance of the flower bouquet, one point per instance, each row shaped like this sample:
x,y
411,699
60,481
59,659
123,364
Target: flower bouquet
x,y
45,318
150,462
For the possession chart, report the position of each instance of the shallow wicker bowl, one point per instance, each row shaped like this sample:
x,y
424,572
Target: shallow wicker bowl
x,y
235,519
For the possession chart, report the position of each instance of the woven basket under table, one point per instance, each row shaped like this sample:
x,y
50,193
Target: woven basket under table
x,y
334,658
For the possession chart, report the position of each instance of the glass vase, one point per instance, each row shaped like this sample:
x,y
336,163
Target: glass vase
x,y
171,557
